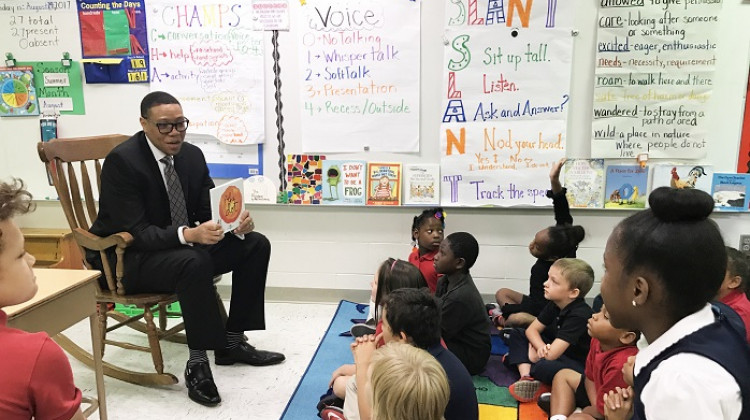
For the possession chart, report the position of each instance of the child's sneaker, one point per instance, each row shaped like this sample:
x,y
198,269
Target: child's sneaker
x,y
527,389
332,413
329,401
544,402
365,328
492,307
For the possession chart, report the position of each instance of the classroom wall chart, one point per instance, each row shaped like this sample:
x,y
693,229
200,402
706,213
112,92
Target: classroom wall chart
x,y
17,93
58,87
113,40
506,82
34,28
359,73
207,55
653,79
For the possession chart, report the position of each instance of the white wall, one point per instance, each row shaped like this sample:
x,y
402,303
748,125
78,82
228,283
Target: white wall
x,y
326,252
348,243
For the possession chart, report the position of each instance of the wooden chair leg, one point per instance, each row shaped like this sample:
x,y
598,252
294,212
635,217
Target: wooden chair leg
x,y
140,326
102,324
138,378
162,316
153,340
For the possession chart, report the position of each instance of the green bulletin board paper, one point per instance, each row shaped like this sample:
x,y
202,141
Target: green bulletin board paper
x,y
53,96
116,32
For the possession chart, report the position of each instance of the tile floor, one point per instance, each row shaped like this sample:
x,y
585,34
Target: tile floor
x,y
248,392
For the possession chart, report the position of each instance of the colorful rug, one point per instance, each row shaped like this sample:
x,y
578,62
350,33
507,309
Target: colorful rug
x,y
333,351
495,402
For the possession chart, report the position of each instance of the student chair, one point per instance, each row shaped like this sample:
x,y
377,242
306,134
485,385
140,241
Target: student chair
x,y
70,163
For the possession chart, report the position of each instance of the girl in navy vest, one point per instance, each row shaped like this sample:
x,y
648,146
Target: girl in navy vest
x,y
662,267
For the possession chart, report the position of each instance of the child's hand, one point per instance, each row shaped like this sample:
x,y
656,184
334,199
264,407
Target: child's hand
x,y
618,404
554,173
627,370
543,351
344,370
363,347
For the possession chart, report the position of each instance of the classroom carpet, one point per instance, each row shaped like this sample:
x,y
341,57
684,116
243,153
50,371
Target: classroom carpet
x,y
495,402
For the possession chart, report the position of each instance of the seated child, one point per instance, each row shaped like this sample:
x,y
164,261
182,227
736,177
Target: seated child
x,y
610,350
392,274
36,379
735,285
691,363
407,383
412,316
464,320
557,339
426,234
548,245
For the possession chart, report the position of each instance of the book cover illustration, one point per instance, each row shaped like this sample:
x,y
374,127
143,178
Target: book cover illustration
x,y
383,184
626,186
260,189
227,203
729,191
304,179
422,184
682,176
584,181
345,182
18,97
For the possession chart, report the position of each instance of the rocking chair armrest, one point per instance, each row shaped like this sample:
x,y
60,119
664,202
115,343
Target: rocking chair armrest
x,y
96,243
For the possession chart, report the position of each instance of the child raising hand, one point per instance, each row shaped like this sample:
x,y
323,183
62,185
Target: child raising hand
x,y
548,245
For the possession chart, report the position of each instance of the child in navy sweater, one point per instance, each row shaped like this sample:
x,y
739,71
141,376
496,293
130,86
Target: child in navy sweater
x,y
657,280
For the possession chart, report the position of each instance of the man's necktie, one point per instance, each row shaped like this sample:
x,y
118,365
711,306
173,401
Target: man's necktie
x,y
177,208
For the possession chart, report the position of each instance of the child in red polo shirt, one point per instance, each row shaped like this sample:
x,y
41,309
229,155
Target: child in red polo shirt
x,y
427,232
609,351
36,379
734,288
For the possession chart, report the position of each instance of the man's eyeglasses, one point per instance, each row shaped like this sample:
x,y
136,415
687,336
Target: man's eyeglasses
x,y
166,128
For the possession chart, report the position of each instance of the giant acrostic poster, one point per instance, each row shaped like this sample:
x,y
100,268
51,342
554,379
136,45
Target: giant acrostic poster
x,y
506,88
359,75
206,54
653,81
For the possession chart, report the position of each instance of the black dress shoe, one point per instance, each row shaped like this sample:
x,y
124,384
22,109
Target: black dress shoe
x,y
200,385
245,353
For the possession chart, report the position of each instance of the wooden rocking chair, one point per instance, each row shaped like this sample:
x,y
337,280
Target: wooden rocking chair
x,y
61,158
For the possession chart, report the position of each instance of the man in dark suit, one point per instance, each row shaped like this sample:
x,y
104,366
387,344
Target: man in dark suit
x,y
156,187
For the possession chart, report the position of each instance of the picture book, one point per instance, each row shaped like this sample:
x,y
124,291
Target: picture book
x,y
344,182
584,181
422,184
227,203
260,189
304,175
730,191
383,184
626,186
682,176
